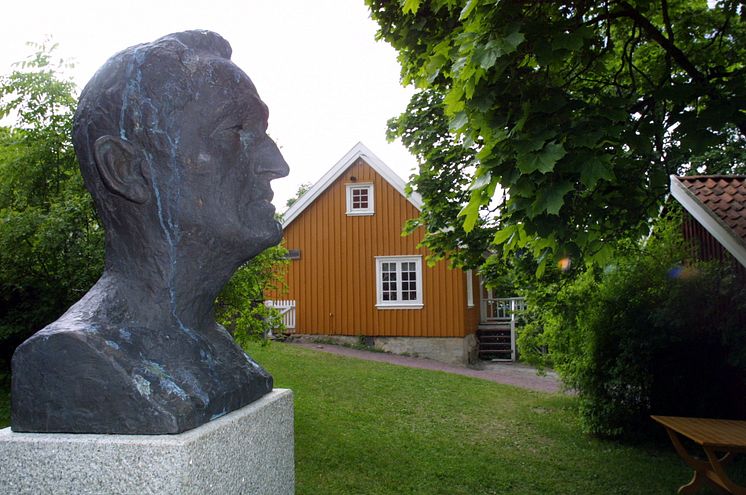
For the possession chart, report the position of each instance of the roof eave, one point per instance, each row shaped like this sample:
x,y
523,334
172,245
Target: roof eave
x,y
709,220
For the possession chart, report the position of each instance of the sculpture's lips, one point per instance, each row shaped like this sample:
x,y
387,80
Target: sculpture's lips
x,y
264,192
263,206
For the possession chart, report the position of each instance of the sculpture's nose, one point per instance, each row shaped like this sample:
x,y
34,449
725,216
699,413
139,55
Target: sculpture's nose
x,y
270,161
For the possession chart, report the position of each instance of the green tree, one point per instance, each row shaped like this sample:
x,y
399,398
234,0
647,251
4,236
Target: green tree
x,y
51,245
442,182
579,110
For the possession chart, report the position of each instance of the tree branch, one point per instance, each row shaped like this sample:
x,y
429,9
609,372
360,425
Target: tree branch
x,y
606,16
667,19
674,51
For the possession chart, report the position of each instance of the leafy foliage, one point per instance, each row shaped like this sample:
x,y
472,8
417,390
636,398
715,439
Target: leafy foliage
x,y
644,337
302,189
441,181
51,244
240,305
579,110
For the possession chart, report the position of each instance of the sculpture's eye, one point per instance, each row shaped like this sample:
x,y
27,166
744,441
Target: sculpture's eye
x,y
229,135
229,125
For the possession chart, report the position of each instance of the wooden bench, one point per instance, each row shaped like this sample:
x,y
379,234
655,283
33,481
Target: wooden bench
x,y
719,438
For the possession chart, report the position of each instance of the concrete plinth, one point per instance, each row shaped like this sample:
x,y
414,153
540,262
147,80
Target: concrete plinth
x,y
249,451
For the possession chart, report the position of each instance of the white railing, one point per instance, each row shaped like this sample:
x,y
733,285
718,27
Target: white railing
x,y
503,310
286,307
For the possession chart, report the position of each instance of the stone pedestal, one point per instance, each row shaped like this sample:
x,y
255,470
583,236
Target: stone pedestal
x,y
249,451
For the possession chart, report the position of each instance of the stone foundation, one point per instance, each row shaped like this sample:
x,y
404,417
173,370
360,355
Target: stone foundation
x,y
249,451
451,350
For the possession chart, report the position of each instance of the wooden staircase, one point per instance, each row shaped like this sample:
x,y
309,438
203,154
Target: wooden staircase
x,y
494,342
496,332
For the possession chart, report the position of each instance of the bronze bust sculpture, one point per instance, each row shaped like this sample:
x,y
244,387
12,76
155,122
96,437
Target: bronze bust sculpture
x,y
171,139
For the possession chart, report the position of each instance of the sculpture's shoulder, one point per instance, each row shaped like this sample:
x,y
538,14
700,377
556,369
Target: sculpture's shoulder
x,y
74,328
83,374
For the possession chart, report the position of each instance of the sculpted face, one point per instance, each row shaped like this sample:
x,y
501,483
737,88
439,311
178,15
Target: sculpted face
x,y
228,161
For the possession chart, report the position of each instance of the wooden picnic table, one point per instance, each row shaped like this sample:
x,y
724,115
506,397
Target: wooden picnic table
x,y
719,438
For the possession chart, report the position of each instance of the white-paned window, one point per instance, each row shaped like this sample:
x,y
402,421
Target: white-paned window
x,y
399,282
360,199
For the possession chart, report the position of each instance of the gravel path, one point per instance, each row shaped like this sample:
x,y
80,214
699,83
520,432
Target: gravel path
x,y
517,374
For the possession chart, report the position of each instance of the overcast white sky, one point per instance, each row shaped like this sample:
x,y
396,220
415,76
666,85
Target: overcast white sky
x,y
316,64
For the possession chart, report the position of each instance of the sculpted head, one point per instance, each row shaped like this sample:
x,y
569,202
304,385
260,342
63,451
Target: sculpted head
x,y
171,138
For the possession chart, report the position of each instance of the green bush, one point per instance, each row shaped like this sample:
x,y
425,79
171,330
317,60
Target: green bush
x,y
51,245
240,305
647,335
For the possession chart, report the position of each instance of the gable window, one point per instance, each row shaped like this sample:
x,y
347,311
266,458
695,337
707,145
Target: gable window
x,y
360,199
399,282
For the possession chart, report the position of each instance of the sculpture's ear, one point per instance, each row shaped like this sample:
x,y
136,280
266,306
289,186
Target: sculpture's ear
x,y
119,168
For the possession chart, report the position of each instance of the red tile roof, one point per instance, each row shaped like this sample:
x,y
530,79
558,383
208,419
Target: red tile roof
x,y
724,195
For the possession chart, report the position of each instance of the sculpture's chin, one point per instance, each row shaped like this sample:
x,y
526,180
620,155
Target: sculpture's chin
x,y
270,236
277,236
262,230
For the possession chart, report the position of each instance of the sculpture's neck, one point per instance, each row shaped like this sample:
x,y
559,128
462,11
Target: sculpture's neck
x,y
175,290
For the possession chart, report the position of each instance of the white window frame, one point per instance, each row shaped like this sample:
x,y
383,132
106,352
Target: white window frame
x,y
371,199
469,289
399,304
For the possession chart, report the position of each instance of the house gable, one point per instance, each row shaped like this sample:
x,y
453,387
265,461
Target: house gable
x,y
359,151
343,263
718,203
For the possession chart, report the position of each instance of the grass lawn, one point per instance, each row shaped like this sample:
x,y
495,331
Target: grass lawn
x,y
373,428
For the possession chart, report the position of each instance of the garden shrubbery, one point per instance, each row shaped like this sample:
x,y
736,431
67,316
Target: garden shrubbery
x,y
652,333
51,245
240,305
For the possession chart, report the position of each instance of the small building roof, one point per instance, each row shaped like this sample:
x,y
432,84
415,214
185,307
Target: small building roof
x,y
357,151
718,202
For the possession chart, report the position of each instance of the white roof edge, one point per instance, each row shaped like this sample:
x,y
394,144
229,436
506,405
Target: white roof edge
x,y
357,151
709,220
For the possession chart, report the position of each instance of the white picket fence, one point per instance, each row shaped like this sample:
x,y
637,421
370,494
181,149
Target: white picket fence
x,y
287,311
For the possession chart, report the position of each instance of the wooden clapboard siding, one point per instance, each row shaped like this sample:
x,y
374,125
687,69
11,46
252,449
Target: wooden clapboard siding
x,y
334,281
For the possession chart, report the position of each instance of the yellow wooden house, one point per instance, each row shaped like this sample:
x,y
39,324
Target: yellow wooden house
x,y
354,277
